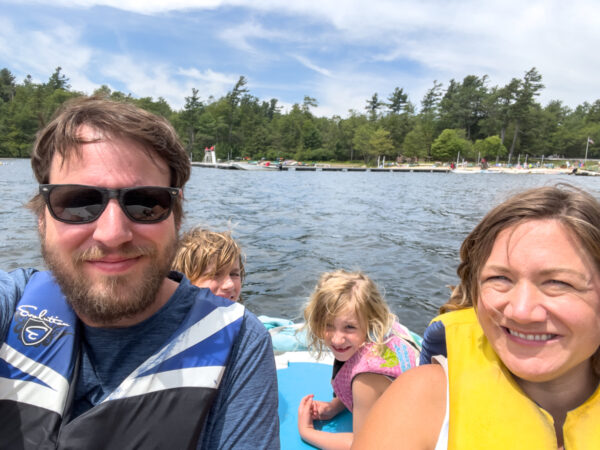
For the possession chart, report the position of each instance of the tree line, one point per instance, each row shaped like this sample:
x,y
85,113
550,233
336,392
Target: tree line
x,y
468,118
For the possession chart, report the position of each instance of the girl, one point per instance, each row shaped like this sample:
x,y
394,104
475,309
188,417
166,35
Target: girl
x,y
211,260
347,314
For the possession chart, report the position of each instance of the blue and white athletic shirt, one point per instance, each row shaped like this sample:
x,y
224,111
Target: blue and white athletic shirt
x,y
162,404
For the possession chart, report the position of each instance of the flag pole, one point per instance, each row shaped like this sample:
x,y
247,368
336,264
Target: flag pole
x,y
587,144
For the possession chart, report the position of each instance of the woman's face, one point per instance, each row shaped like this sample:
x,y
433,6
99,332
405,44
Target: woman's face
x,y
226,283
539,302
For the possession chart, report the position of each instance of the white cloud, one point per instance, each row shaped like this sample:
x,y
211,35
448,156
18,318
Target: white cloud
x,y
39,52
307,63
208,82
136,6
156,80
413,42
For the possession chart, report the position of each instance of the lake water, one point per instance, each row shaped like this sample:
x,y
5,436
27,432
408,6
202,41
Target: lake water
x,y
402,229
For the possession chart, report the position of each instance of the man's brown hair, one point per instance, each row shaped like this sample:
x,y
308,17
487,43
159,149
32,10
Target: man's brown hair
x,y
115,120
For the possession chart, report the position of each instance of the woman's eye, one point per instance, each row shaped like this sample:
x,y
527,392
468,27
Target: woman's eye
x,y
350,327
499,278
234,274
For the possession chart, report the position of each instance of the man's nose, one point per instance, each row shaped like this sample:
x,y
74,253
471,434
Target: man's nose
x,y
113,227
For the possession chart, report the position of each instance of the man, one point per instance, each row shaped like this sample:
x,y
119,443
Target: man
x,y
109,349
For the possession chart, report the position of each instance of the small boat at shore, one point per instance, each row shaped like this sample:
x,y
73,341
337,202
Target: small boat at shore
x,y
254,167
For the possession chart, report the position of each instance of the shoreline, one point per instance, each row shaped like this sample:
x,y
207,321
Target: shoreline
x,y
430,168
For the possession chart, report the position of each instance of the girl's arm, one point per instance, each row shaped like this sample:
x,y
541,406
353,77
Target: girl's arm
x,y
409,415
320,439
366,389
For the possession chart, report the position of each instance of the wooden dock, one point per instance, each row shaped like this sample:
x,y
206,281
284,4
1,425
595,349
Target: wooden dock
x,y
274,168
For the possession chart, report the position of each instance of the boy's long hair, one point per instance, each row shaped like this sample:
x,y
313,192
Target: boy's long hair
x,y
203,253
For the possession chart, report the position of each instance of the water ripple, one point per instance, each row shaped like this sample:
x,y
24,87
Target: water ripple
x,y
403,229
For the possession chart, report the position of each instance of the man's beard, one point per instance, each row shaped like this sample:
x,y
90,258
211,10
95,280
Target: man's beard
x,y
111,297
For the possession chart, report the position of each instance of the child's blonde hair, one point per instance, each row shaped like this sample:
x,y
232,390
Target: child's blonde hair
x,y
203,254
334,294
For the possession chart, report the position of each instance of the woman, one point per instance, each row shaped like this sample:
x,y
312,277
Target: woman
x,y
523,362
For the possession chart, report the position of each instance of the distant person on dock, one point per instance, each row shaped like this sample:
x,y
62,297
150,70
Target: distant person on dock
x,y
347,314
211,260
110,348
520,364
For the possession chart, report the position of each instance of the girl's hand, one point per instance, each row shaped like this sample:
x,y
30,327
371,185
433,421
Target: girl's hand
x,y
305,419
323,410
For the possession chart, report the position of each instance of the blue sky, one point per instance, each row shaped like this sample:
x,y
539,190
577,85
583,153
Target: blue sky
x,y
339,52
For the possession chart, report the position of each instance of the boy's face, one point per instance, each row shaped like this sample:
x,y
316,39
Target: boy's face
x,y
226,283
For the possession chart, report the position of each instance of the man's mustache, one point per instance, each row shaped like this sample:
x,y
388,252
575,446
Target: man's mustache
x,y
127,251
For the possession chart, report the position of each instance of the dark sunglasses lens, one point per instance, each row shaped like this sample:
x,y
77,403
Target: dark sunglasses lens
x,y
147,204
76,204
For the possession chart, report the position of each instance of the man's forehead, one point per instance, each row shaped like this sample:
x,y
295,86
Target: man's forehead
x,y
102,142
88,133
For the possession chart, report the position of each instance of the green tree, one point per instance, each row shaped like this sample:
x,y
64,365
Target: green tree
x,y
348,128
311,137
429,115
7,85
233,100
449,144
398,101
58,80
463,104
417,142
159,107
373,106
362,141
309,102
190,118
490,147
525,101
380,144
499,108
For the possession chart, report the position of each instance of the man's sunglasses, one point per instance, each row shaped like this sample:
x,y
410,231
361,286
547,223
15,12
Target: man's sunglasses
x,y
77,204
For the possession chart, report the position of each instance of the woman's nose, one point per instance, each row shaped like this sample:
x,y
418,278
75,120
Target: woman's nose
x,y
525,303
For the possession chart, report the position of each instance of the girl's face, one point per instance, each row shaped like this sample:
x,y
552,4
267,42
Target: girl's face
x,y
344,335
226,283
539,302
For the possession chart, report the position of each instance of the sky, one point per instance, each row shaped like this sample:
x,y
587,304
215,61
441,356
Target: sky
x,y
339,52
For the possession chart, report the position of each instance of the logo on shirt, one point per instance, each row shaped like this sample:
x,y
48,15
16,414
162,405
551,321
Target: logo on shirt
x,y
36,328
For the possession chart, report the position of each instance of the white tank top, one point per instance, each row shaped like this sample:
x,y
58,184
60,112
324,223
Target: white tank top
x,y
442,442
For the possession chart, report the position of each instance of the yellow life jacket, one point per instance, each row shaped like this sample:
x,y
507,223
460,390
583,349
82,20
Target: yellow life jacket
x,y
488,410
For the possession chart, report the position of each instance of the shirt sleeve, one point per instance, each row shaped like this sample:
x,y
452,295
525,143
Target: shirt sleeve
x,y
434,342
12,285
245,412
